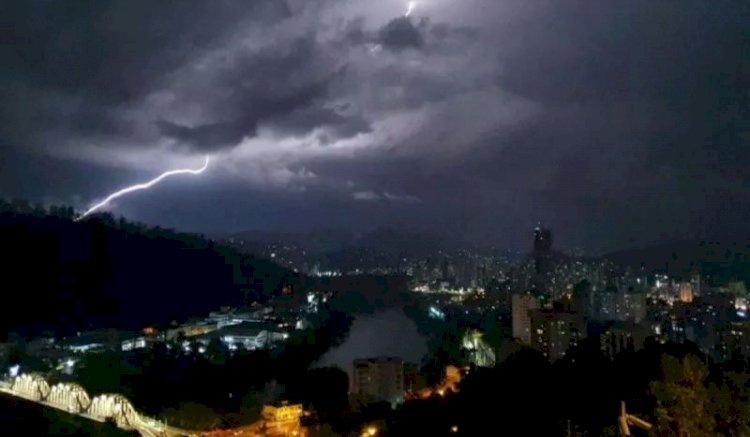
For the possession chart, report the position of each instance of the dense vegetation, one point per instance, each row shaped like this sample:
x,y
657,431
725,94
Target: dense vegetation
x,y
672,386
65,276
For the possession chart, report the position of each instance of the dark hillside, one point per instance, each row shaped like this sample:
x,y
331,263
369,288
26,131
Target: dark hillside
x,y
77,275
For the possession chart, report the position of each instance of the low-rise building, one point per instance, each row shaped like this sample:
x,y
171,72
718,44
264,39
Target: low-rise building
x,y
189,330
232,316
247,335
735,340
97,340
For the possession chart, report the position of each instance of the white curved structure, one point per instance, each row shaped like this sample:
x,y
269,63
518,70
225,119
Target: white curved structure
x,y
115,406
70,397
31,386
74,399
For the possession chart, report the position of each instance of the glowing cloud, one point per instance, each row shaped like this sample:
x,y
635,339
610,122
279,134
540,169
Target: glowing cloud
x,y
142,186
410,9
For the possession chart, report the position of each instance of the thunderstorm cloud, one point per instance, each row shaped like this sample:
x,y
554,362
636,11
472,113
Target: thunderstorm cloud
x,y
615,123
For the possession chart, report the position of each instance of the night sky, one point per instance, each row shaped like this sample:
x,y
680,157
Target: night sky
x,y
616,124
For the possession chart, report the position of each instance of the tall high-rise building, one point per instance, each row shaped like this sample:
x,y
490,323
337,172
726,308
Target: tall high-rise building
x,y
554,331
542,240
583,299
542,258
379,379
607,304
521,305
634,306
695,281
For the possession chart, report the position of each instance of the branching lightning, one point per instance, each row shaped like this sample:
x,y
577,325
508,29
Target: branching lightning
x,y
410,9
142,186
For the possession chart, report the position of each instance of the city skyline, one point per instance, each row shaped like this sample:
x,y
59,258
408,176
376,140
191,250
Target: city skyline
x,y
152,318
614,125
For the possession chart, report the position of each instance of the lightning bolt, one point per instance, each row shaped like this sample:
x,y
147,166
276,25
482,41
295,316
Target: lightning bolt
x,y
410,9
142,186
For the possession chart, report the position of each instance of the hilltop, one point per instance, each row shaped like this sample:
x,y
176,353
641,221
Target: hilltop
x,y
65,275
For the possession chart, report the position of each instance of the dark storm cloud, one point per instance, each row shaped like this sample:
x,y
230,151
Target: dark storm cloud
x,y
113,50
283,85
643,98
673,51
612,123
335,124
641,129
70,67
208,137
401,33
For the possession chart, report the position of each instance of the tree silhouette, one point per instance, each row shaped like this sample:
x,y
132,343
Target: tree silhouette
x,y
683,403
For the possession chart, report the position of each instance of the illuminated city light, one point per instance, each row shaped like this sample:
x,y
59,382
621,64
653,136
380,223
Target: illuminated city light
x,y
143,186
436,313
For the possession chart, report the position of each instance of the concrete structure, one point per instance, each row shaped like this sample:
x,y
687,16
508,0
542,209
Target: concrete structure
x,y
686,294
72,396
521,304
622,336
189,330
73,399
142,342
607,304
247,335
379,379
612,304
735,339
282,421
542,240
230,316
553,332
634,307
101,339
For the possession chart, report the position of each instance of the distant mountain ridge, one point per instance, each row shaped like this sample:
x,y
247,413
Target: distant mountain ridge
x,y
385,238
329,249
317,241
717,261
